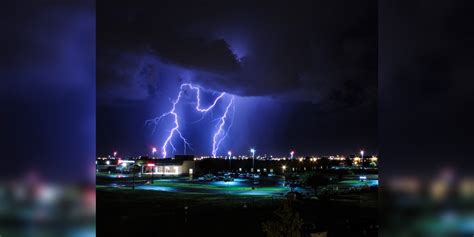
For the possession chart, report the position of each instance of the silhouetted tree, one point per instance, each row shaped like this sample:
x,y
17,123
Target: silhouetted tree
x,y
286,223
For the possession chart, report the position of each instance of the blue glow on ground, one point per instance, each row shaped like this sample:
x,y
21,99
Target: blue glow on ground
x,y
157,188
238,186
260,193
356,183
223,183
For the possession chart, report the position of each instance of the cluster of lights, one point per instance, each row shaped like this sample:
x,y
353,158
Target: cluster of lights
x,y
168,170
244,157
125,162
356,160
340,158
314,159
374,159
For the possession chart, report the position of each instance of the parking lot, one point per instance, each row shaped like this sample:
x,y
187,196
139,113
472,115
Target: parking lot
x,y
266,186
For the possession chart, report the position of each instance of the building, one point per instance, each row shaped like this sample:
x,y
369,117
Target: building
x,y
180,165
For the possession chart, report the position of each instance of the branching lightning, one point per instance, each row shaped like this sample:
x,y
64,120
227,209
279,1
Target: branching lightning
x,y
221,133
175,129
218,136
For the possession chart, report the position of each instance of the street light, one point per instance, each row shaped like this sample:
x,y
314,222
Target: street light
x,y
362,157
153,150
253,159
115,153
253,166
291,154
230,160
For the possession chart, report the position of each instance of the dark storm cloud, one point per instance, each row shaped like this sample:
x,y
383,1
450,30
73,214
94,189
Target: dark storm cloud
x,y
425,86
47,97
320,52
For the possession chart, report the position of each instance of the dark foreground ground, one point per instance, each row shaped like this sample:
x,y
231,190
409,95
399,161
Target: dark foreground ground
x,y
126,212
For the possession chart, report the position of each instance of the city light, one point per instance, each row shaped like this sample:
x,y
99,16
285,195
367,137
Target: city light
x,y
229,153
107,162
291,154
115,153
253,152
125,161
153,151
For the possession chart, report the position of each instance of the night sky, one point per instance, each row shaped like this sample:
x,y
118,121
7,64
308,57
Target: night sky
x,y
47,92
304,75
426,91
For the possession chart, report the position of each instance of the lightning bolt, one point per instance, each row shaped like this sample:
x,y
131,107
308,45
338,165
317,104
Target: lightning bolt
x,y
198,98
175,129
220,133
198,108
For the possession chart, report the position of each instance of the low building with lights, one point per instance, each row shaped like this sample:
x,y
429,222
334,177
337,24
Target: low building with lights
x,y
180,165
170,167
